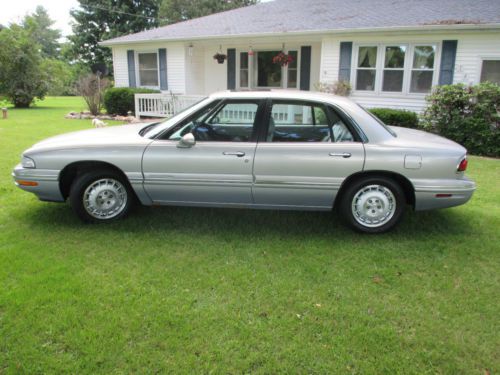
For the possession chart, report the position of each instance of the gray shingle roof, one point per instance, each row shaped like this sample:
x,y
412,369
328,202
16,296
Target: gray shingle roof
x,y
296,16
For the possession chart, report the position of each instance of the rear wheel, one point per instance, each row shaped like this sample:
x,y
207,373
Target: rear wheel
x,y
373,204
100,196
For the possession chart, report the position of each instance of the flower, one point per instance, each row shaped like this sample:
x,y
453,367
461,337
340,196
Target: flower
x,y
282,59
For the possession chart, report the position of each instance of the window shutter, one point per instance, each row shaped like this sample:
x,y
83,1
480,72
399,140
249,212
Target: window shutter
x,y
448,56
231,69
345,61
162,57
131,68
305,67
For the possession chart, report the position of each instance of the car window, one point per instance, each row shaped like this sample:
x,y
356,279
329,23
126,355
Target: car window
x,y
293,122
231,122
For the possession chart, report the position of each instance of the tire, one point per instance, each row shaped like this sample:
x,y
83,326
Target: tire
x,y
101,196
372,204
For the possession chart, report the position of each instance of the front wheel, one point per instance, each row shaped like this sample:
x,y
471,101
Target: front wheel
x,y
100,196
373,204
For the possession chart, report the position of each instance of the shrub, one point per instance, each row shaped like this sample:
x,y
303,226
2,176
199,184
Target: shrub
x,y
469,115
91,87
341,88
120,100
396,117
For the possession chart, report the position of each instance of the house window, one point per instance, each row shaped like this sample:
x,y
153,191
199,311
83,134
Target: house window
x,y
244,69
148,69
490,71
268,73
422,72
292,70
394,64
366,68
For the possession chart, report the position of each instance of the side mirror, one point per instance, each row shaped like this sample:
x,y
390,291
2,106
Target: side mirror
x,y
187,141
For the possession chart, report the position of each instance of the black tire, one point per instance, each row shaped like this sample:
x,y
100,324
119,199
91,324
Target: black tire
x,y
86,180
366,186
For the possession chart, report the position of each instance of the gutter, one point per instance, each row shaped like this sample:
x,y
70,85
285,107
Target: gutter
x,y
407,29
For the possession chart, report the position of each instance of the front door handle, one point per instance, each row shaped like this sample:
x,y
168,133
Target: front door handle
x,y
239,154
344,155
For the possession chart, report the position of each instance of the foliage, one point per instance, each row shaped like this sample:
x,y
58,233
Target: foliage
x,y
92,87
341,88
22,77
98,20
39,27
120,100
173,11
231,291
396,117
469,115
61,77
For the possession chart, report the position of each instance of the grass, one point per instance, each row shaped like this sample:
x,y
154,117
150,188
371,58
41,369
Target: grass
x,y
190,290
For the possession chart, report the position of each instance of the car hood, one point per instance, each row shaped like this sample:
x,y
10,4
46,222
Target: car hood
x,y
114,135
417,138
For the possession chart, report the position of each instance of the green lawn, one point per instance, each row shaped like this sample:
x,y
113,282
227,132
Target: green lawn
x,y
189,290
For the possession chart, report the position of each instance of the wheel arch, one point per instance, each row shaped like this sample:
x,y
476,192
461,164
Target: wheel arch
x,y
405,184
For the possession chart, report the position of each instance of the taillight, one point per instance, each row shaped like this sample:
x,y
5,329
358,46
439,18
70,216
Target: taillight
x,y
462,166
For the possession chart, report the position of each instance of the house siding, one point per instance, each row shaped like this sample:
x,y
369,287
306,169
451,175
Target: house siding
x,y
120,66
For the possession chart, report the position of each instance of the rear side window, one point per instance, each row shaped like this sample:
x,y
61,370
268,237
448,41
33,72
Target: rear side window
x,y
305,122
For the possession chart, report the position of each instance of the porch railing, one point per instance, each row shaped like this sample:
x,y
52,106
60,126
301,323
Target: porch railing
x,y
163,105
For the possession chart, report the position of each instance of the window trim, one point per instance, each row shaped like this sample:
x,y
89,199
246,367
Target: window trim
x,y
480,64
407,70
137,70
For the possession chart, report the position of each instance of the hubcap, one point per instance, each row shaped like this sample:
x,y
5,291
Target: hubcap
x,y
105,198
373,206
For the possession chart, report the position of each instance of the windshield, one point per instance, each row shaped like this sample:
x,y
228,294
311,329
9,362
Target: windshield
x,y
389,130
152,130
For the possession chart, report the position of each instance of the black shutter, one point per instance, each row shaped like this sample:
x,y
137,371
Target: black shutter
x,y
231,69
448,56
131,68
305,67
345,61
162,56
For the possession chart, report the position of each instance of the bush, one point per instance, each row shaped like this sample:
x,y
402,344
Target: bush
x,y
469,115
91,88
396,117
120,100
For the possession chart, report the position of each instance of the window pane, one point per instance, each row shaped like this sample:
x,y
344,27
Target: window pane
x,y
393,80
243,78
293,64
424,57
421,81
491,71
148,61
367,57
148,77
244,60
292,78
395,57
268,73
365,80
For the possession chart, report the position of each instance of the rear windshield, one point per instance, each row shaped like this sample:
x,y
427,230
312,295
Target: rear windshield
x,y
389,130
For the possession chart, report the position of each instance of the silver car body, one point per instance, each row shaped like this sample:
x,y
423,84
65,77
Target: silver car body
x,y
287,175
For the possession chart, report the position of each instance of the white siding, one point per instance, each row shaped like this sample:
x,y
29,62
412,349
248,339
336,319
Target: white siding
x,y
120,66
195,70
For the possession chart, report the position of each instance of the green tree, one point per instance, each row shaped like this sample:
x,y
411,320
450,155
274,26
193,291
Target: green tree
x,y
172,11
98,20
39,27
22,77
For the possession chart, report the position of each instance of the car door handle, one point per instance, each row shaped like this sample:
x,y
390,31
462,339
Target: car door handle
x,y
344,155
237,153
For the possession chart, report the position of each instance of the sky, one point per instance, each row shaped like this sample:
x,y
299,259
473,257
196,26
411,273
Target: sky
x,y
58,11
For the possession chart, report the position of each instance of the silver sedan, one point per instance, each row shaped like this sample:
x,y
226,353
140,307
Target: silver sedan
x,y
272,150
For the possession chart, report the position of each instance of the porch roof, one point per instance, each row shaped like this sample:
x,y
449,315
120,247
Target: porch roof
x,y
319,16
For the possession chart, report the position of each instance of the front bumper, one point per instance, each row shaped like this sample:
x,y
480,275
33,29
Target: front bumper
x,y
47,182
432,194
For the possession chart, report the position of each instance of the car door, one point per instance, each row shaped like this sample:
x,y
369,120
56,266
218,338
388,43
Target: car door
x,y
217,169
305,155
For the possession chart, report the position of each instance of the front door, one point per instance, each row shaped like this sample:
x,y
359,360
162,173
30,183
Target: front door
x,y
217,170
306,154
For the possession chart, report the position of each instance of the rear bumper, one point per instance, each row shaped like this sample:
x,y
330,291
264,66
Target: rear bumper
x,y
47,182
432,194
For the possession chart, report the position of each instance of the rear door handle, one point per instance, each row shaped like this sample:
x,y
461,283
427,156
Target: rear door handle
x,y
239,154
344,155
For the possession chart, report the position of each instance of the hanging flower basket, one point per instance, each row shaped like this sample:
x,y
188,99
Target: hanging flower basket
x,y
220,57
282,59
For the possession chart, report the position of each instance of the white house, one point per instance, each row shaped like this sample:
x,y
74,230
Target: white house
x,y
391,51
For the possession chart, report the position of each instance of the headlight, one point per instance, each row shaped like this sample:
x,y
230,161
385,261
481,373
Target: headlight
x,y
27,162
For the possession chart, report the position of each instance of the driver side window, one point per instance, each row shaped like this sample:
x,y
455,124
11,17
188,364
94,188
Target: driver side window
x,y
231,122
